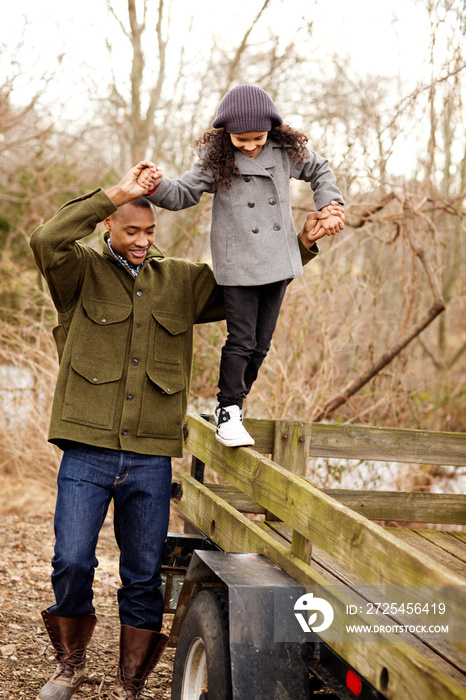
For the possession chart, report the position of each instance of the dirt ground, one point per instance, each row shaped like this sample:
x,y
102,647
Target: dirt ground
x,y
26,655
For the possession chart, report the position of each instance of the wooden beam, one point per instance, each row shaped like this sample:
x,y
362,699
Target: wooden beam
x,y
291,445
290,450
403,506
236,498
414,507
368,442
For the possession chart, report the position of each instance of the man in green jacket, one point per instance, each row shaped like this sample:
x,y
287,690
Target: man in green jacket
x,y
124,340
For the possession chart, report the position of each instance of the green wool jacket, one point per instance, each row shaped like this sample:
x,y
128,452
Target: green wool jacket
x,y
124,343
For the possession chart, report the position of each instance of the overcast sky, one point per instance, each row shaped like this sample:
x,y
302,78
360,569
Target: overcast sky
x,y
390,38
383,38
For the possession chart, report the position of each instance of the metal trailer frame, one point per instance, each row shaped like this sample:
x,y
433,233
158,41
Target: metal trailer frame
x,y
261,668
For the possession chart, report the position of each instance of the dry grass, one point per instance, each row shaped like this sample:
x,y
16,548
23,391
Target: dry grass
x,y
27,355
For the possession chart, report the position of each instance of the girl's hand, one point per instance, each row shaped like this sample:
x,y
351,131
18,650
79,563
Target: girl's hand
x,y
156,180
327,222
335,221
137,181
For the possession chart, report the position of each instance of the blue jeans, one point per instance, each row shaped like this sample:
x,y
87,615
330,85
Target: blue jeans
x,y
140,486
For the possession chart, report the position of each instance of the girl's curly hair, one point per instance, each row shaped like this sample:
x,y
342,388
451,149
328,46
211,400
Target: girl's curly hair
x,y
217,151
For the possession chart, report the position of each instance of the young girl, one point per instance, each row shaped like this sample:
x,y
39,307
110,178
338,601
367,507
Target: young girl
x,y
246,162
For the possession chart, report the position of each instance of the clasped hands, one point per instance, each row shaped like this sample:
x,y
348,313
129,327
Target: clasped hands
x,y
138,181
327,222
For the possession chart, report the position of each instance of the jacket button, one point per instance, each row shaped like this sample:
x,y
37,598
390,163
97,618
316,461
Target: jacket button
x,y
129,397
251,204
135,361
276,227
272,201
124,432
104,320
95,379
139,293
247,179
255,229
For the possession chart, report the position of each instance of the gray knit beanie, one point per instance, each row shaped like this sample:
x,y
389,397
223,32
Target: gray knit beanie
x,y
246,108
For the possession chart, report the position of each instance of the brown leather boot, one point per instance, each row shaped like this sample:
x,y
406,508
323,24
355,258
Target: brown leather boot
x,y
70,637
140,651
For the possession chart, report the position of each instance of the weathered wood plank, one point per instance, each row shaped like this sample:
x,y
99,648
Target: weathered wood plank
x,y
290,450
302,547
388,444
363,546
236,498
446,541
430,544
411,673
449,509
263,431
368,442
404,506
291,445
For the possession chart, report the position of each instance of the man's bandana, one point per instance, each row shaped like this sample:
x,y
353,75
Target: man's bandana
x,y
134,269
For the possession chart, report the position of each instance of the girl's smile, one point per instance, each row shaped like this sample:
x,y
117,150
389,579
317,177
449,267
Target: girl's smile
x,y
250,143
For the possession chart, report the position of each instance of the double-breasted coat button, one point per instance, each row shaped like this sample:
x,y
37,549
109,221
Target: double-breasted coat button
x,y
139,293
247,179
135,361
251,204
255,229
272,201
124,432
129,397
276,227
103,320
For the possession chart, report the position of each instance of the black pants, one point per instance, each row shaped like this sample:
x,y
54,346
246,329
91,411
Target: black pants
x,y
252,314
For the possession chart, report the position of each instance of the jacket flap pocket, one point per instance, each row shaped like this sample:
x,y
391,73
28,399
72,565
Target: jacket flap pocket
x,y
96,371
173,323
169,382
104,312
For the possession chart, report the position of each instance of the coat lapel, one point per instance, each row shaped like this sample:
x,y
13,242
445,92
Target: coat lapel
x,y
261,165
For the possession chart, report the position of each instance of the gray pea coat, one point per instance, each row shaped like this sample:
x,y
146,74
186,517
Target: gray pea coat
x,y
252,238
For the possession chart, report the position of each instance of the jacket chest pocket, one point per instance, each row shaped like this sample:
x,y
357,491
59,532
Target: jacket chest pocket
x,y
169,338
103,330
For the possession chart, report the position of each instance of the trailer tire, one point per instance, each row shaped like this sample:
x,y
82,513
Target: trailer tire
x,y
202,660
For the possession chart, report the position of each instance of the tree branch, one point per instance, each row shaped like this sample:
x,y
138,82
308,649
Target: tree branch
x,y
241,48
403,341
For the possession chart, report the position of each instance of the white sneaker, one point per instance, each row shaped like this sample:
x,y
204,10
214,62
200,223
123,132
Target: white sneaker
x,y
230,429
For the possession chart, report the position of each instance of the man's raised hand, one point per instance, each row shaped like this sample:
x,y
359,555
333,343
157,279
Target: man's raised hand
x,y
137,182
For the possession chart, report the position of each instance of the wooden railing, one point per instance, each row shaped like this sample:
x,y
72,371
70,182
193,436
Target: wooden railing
x,y
325,536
